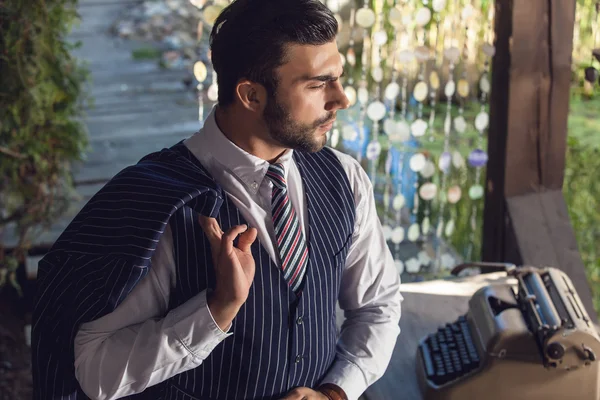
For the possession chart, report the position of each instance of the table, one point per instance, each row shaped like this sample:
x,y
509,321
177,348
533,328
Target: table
x,y
426,306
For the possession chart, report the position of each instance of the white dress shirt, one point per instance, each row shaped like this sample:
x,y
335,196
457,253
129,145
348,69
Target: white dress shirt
x,y
141,343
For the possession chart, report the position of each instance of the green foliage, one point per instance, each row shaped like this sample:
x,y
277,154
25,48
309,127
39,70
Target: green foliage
x,y
146,53
585,18
40,109
581,187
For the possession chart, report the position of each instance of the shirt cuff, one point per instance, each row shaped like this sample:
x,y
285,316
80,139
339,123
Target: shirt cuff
x,y
347,376
195,328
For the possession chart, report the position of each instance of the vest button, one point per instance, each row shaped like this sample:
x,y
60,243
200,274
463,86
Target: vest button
x,y
298,358
299,321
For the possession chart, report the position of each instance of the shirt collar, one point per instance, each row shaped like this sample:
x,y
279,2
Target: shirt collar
x,y
210,145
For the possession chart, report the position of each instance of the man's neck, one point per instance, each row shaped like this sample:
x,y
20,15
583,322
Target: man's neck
x,y
247,133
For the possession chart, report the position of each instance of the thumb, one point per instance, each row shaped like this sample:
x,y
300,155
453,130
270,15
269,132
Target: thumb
x,y
246,239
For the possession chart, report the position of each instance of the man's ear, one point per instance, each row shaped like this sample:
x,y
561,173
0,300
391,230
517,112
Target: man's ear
x,y
251,95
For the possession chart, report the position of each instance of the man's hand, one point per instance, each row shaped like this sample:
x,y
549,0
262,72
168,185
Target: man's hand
x,y
234,269
303,393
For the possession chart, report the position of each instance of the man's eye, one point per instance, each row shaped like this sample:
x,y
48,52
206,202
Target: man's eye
x,y
322,85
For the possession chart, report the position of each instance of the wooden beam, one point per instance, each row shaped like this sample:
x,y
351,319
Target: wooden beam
x,y
539,88
525,216
562,20
545,238
528,97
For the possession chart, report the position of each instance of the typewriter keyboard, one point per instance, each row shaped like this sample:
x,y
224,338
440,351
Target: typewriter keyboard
x,y
449,353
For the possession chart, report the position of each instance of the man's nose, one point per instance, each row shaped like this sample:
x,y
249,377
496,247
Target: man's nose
x,y
340,100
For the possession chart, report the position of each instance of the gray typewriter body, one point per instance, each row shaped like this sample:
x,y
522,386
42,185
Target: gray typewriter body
x,y
527,339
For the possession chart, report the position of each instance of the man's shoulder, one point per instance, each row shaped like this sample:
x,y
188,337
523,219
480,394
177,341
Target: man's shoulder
x,y
346,160
356,174
173,164
328,154
160,181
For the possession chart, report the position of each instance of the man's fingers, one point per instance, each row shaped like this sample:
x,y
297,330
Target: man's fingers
x,y
215,235
291,396
229,236
246,239
300,393
211,227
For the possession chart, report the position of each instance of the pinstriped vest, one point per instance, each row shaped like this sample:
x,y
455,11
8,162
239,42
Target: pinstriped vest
x,y
280,341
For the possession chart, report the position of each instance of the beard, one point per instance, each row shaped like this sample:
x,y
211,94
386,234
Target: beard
x,y
290,133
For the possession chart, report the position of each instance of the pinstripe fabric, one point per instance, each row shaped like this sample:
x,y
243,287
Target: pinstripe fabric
x,y
106,250
260,360
290,238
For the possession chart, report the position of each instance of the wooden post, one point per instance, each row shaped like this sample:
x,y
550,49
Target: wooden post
x,y
525,218
494,215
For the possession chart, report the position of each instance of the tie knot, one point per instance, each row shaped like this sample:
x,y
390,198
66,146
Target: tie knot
x,y
276,174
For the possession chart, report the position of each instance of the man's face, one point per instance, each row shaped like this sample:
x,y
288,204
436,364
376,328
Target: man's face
x,y
307,97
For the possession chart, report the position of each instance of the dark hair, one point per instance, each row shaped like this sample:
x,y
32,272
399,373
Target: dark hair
x,y
249,39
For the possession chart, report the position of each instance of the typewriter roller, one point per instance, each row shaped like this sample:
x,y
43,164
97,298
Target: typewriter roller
x,y
529,340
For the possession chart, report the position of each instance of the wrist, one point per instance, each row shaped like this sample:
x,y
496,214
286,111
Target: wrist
x,y
222,311
332,392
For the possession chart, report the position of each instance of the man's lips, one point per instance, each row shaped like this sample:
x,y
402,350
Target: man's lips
x,y
328,124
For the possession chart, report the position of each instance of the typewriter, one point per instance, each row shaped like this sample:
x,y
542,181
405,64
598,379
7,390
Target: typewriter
x,y
529,338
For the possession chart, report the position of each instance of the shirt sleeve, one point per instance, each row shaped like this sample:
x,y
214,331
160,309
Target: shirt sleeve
x,y
139,344
369,296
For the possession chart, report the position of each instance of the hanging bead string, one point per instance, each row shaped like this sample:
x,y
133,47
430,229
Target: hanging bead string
x,y
463,96
451,54
434,81
351,54
419,126
376,110
200,72
349,131
392,91
428,189
334,135
460,124
434,85
405,58
390,126
365,20
386,194
400,200
478,157
213,90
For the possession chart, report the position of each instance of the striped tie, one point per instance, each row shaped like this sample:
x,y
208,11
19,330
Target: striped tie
x,y
290,238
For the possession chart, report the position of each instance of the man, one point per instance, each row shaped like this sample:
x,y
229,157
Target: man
x,y
211,270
